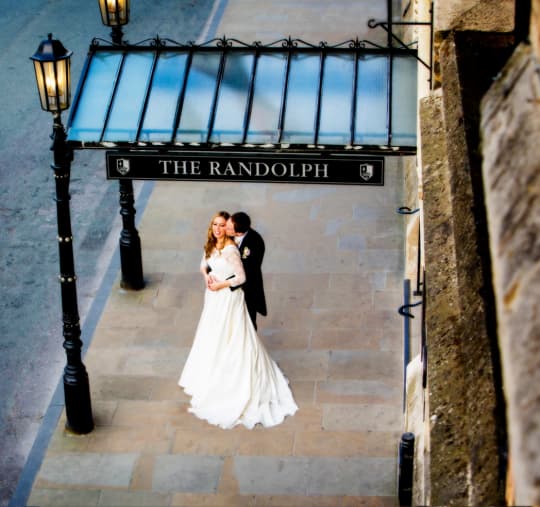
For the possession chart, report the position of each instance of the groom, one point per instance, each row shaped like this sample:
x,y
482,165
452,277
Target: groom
x,y
251,246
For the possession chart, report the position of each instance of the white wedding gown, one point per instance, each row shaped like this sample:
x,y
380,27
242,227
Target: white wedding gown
x,y
228,374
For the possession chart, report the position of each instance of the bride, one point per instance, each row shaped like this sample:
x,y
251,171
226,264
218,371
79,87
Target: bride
x,y
228,374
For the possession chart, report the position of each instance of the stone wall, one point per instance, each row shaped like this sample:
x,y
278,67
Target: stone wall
x,y
466,408
535,27
478,15
511,168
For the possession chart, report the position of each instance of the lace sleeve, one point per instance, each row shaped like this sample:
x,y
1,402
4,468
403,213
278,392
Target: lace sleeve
x,y
204,264
232,256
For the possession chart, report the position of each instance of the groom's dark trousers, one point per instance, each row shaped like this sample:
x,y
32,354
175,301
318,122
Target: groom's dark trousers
x,y
252,253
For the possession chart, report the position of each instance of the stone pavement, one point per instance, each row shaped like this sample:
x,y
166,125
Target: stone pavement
x,y
333,274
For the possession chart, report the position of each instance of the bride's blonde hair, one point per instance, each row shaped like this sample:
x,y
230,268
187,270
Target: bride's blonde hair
x,y
210,238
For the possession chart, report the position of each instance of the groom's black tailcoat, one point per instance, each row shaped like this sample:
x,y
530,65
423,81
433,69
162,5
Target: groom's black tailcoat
x,y
252,253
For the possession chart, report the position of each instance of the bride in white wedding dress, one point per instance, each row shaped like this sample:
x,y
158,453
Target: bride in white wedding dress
x,y
228,374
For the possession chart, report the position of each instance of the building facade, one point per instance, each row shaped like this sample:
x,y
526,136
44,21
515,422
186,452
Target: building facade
x,y
473,390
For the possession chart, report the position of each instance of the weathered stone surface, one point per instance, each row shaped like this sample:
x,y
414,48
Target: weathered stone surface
x,y
535,27
466,444
482,15
511,129
446,403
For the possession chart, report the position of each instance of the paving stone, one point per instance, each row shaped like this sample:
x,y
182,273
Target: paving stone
x,y
160,362
362,417
269,475
116,439
121,387
88,469
270,442
316,476
184,281
347,339
109,361
299,281
346,443
303,365
290,319
155,413
215,500
389,298
308,417
352,476
191,474
133,499
352,242
303,391
295,297
281,338
358,391
103,411
176,336
43,497
167,389
356,300
133,317
387,259
207,441
337,318
365,365
227,482
298,501
112,337
64,441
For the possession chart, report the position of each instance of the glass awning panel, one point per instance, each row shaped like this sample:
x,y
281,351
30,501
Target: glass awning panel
x,y
285,95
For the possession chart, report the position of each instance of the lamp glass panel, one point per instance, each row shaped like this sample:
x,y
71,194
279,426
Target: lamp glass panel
x,y
199,98
114,12
167,85
40,81
232,99
336,100
63,82
301,101
129,98
88,118
404,102
371,123
267,97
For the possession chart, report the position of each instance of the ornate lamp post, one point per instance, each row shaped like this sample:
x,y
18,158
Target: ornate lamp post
x,y
51,64
115,14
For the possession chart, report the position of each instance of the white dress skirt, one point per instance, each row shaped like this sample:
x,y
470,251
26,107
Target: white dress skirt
x,y
228,374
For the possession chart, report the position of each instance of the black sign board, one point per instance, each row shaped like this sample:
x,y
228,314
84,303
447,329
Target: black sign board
x,y
251,168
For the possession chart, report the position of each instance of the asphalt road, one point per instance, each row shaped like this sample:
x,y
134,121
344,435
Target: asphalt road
x,y
31,353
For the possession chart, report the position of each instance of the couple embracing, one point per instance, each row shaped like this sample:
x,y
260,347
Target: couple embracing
x,y
229,374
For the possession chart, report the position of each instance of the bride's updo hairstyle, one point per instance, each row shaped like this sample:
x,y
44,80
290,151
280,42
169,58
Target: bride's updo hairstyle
x,y
210,239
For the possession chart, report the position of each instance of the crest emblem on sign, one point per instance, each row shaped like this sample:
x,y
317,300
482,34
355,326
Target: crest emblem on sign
x,y
122,166
366,171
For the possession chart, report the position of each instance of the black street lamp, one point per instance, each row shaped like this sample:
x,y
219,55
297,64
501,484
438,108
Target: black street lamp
x,y
115,14
51,64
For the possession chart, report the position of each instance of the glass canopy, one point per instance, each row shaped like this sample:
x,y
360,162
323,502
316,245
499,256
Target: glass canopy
x,y
286,95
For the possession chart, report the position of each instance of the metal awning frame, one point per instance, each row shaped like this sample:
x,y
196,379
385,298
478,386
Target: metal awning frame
x,y
226,46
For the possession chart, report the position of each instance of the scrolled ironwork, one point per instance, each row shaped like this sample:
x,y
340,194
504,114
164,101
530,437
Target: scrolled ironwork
x,y
405,210
229,42
402,309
